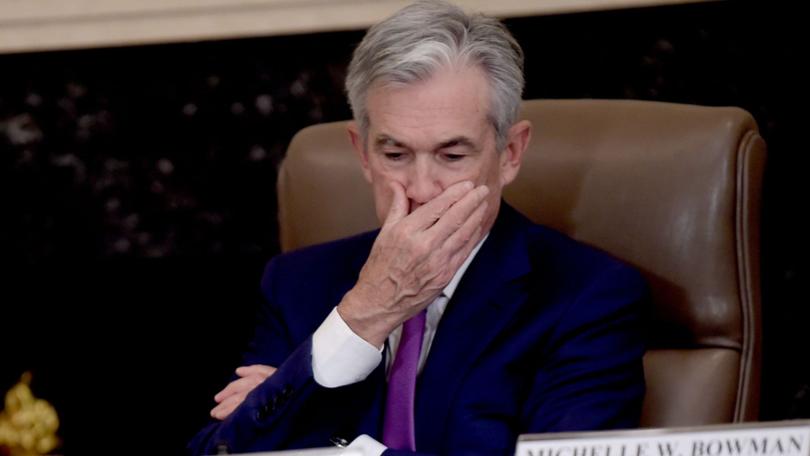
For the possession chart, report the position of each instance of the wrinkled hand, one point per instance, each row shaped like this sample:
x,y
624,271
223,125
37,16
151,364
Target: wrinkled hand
x,y
413,258
236,391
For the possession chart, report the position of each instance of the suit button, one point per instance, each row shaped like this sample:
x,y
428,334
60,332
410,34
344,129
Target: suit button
x,y
284,396
264,411
286,392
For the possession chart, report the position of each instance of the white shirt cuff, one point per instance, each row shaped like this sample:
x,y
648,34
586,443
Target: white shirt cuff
x,y
367,445
339,356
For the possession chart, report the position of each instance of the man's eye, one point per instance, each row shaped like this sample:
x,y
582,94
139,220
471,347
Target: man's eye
x,y
394,156
453,157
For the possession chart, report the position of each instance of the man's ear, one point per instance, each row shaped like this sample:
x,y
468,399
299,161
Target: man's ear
x,y
359,145
517,139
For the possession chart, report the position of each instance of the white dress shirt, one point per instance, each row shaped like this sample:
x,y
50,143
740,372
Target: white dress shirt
x,y
340,357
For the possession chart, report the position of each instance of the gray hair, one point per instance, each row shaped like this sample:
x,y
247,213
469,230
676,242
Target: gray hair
x,y
421,38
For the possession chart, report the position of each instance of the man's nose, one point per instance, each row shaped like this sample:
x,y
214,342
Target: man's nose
x,y
423,185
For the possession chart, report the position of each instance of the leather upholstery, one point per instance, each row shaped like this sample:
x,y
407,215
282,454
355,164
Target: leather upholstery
x,y
672,189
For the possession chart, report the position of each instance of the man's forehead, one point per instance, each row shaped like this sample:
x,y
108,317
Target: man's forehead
x,y
451,105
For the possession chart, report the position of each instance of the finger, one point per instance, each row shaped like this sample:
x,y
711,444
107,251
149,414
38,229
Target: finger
x,y
458,258
238,386
462,241
232,403
460,214
255,369
233,387
427,214
399,204
224,409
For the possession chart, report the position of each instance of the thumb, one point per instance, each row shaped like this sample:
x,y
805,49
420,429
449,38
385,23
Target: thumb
x,y
399,204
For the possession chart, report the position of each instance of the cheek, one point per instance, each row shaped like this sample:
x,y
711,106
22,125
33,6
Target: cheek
x,y
380,186
382,198
492,178
473,172
491,175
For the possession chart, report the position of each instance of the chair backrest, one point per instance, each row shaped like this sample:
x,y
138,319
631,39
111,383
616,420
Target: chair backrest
x,y
672,189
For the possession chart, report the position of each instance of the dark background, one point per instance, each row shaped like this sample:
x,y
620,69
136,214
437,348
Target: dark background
x,y
137,190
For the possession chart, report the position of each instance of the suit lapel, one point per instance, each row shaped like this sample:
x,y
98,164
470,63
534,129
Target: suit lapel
x,y
487,297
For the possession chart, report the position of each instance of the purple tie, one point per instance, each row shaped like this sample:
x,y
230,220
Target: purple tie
x,y
398,429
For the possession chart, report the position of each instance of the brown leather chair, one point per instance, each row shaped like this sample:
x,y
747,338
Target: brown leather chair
x,y
671,189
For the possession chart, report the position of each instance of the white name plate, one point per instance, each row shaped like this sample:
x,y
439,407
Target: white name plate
x,y
783,438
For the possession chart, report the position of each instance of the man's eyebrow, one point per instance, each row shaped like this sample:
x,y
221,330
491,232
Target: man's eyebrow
x,y
457,141
385,140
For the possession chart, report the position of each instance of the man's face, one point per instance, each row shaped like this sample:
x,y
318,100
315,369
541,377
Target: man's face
x,y
430,135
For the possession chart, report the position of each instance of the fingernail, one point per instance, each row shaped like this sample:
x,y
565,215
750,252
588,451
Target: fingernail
x,y
485,190
468,185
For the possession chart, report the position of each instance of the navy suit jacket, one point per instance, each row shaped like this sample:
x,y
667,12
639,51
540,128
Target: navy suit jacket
x,y
543,334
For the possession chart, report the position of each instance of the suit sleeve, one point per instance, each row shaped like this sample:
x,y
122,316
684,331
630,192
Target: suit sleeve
x,y
592,377
269,414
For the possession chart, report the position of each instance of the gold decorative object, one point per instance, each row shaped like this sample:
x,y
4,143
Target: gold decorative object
x,y
27,425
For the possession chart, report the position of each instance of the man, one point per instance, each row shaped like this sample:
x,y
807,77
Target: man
x,y
507,326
